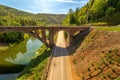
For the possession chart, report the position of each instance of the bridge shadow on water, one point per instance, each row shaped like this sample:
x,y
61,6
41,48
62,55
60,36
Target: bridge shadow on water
x,y
69,50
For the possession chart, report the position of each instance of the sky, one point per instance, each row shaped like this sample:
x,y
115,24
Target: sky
x,y
45,6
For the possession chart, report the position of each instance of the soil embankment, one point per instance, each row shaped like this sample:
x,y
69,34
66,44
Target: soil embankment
x,y
97,57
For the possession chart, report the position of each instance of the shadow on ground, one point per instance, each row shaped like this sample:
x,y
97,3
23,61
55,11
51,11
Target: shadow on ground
x,y
77,41
69,50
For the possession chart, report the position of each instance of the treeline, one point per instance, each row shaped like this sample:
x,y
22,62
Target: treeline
x,y
106,11
11,37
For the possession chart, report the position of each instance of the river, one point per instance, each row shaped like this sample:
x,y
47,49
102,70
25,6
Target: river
x,y
16,58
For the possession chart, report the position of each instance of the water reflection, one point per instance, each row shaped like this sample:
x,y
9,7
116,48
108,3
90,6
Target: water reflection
x,y
20,59
19,55
9,76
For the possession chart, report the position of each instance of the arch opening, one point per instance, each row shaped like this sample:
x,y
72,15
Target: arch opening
x,y
47,34
65,35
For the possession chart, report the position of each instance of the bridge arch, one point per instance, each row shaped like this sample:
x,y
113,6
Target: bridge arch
x,y
31,32
66,36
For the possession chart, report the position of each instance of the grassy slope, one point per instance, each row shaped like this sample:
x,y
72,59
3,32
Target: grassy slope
x,y
3,47
35,69
109,28
98,56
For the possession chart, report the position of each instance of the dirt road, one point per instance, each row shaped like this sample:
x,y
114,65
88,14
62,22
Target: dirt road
x,y
60,66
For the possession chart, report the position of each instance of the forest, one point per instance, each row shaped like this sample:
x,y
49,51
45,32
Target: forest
x,y
13,17
95,11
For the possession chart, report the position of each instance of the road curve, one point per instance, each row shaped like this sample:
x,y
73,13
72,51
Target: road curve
x,y
60,66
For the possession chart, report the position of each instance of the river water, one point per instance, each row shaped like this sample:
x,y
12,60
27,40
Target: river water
x,y
15,59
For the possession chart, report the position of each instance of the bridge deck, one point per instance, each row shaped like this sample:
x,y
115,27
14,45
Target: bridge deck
x,y
42,27
45,26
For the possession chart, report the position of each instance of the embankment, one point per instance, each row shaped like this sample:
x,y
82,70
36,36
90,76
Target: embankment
x,y
36,67
97,55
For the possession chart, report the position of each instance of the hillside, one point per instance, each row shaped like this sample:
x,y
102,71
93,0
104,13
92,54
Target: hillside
x,y
52,18
13,17
97,56
105,11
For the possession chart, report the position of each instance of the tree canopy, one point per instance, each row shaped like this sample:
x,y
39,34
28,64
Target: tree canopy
x,y
95,11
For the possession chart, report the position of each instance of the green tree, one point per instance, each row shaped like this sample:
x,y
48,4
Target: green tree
x,y
11,37
110,10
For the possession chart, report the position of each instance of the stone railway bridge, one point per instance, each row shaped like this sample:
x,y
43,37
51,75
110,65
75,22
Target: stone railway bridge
x,y
42,32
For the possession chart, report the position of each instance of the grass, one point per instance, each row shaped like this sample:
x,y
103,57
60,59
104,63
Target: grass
x,y
35,69
109,28
118,78
99,24
2,49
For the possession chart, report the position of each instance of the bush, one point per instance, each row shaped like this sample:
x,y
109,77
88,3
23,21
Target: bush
x,y
110,10
11,37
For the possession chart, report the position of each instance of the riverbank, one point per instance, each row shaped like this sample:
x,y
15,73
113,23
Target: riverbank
x,y
6,46
16,58
3,47
35,69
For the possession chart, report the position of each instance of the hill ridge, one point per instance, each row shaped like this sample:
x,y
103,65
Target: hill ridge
x,y
11,16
